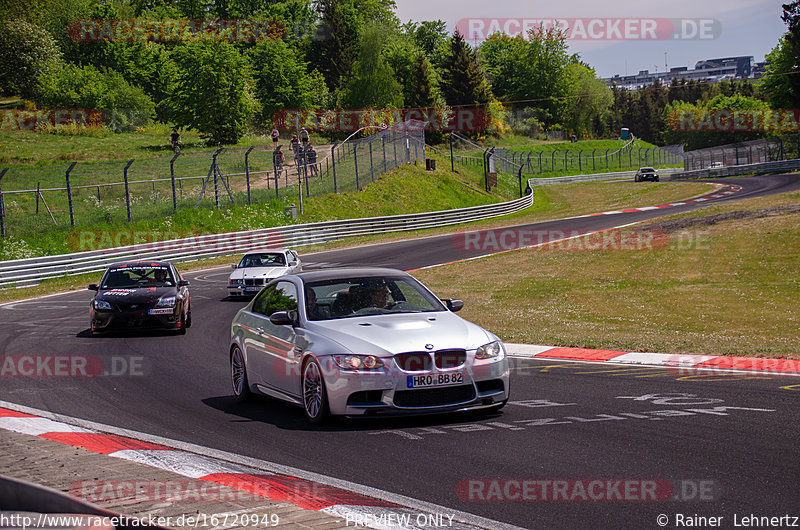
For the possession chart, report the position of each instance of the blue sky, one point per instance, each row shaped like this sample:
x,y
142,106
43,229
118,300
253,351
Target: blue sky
x,y
746,27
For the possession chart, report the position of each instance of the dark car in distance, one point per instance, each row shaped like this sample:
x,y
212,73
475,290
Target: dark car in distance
x,y
140,294
646,173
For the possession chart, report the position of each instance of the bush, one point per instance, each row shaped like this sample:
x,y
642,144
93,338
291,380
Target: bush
x,y
124,106
25,51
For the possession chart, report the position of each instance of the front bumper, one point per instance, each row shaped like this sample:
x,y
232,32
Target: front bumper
x,y
244,290
387,392
121,320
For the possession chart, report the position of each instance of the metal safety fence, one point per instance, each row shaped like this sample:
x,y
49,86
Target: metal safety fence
x,y
736,154
629,156
34,200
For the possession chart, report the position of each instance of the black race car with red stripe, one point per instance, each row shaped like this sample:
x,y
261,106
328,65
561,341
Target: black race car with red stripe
x,y
140,294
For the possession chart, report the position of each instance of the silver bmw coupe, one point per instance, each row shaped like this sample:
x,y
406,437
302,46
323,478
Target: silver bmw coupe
x,y
362,342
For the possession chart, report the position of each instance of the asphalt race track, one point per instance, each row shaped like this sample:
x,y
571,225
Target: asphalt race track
x,y
729,444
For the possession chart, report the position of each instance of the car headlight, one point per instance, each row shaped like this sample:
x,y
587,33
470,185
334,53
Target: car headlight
x,y
102,305
166,301
493,350
358,362
234,282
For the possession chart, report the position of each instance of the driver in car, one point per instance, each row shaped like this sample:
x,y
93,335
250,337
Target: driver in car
x,y
378,295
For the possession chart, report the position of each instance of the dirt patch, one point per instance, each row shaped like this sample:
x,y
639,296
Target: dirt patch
x,y
675,225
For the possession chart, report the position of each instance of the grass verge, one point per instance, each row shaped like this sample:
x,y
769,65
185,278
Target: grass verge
x,y
551,202
726,283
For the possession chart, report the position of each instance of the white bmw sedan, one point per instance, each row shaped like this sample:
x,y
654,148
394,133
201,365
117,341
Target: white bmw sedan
x,y
362,342
258,267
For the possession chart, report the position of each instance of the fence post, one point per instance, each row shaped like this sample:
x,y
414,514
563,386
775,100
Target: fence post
x,y
383,146
247,171
3,204
394,145
333,164
355,163
38,192
452,160
580,152
69,196
540,161
127,191
172,179
630,156
593,160
216,182
553,160
519,176
565,159
607,158
371,169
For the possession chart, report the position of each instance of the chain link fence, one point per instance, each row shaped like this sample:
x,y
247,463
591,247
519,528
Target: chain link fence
x,y
737,154
34,200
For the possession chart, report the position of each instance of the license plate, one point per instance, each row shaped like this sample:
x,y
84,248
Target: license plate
x,y
252,289
421,381
160,311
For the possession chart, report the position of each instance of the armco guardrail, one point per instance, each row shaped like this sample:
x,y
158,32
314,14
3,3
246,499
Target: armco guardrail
x,y
621,175
25,272
745,169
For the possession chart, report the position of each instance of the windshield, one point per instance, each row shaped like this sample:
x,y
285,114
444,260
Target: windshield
x,y
266,259
343,298
134,277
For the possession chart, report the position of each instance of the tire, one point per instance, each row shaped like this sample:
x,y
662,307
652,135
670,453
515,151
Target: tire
x,y
239,381
656,179
182,329
315,398
636,179
189,318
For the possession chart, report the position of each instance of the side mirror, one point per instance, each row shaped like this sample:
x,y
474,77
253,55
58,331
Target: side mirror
x,y
292,263
284,318
183,283
93,287
234,266
453,304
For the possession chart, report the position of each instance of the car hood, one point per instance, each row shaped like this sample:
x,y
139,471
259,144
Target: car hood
x,y
258,272
391,334
134,296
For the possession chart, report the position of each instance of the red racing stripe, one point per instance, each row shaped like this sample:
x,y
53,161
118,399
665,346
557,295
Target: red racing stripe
x,y
99,443
581,354
752,363
303,493
6,413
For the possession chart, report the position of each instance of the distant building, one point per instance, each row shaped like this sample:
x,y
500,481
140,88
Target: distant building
x,y
712,70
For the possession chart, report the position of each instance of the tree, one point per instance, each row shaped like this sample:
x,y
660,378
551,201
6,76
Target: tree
x,y
712,123
463,80
282,80
70,86
430,36
213,91
26,50
535,68
334,52
589,98
372,84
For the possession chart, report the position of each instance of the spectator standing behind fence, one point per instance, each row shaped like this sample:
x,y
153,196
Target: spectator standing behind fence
x,y
304,136
175,140
311,159
276,136
295,145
